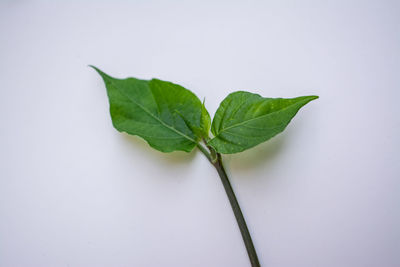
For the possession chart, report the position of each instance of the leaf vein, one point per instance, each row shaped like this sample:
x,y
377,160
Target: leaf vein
x,y
155,117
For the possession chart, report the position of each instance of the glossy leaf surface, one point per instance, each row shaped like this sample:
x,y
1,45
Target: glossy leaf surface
x,y
166,115
244,120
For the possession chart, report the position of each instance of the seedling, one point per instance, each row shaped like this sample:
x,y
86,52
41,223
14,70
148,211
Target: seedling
x,y
170,118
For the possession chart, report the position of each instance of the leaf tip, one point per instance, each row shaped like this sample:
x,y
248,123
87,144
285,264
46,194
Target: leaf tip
x,y
99,71
96,69
310,98
93,67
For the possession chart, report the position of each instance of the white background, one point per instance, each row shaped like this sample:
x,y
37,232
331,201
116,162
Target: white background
x,y
75,192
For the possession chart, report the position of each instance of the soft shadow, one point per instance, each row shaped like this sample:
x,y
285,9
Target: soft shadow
x,y
262,154
176,157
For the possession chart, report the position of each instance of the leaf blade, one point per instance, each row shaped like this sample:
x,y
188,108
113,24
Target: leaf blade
x,y
152,110
245,120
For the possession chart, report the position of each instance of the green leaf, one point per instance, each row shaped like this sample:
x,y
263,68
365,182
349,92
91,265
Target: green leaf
x,y
205,121
244,120
162,113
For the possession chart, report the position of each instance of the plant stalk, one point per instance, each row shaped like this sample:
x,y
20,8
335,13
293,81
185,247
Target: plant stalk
x,y
216,161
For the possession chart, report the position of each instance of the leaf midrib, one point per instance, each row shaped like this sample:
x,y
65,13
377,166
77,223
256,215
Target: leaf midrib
x,y
152,115
243,122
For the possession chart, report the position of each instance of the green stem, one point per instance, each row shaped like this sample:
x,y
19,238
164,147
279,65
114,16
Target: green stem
x,y
205,152
217,163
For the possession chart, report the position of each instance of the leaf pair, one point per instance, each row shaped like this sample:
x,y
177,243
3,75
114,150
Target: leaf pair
x,y
170,117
